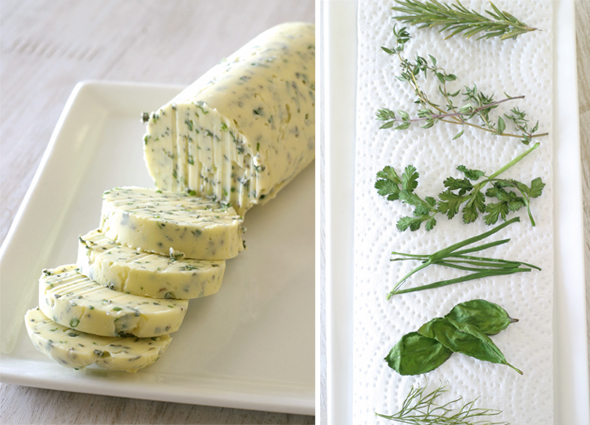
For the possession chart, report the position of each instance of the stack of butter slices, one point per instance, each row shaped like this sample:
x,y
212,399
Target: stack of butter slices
x,y
228,142
117,306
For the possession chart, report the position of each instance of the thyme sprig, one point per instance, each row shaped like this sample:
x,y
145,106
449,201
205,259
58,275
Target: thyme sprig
x,y
474,112
458,19
467,194
421,407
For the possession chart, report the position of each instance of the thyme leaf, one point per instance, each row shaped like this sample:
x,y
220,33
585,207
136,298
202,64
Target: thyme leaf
x,y
475,110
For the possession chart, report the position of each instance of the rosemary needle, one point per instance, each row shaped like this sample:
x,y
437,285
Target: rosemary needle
x,y
458,19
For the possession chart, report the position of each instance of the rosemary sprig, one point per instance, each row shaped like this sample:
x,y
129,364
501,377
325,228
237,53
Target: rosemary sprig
x,y
421,407
455,257
458,19
468,195
477,106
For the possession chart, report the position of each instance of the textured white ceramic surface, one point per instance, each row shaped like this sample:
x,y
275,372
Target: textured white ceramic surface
x,y
521,67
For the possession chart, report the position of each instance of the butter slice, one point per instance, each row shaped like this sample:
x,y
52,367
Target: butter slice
x,y
244,129
72,348
125,269
73,300
157,221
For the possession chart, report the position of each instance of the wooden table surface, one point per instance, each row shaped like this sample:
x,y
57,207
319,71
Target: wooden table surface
x,y
47,46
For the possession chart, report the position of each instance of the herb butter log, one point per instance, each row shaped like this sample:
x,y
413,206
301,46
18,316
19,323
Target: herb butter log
x,y
244,129
71,299
169,223
125,269
72,348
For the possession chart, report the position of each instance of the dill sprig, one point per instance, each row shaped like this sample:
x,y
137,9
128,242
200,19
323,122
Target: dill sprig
x,y
474,112
421,408
458,19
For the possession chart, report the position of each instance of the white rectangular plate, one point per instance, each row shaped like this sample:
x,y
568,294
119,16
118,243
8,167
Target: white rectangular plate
x,y
338,39
249,346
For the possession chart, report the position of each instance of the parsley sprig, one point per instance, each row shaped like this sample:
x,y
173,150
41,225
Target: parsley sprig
x,y
466,195
475,112
458,19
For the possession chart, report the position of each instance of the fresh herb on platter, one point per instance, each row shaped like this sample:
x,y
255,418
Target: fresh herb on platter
x,y
458,19
457,258
465,339
466,194
488,317
477,106
422,407
423,351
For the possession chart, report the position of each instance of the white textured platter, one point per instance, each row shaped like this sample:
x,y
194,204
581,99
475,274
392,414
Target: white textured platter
x,y
250,346
338,23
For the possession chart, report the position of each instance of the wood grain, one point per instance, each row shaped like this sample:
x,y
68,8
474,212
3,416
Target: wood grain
x,y
583,52
46,47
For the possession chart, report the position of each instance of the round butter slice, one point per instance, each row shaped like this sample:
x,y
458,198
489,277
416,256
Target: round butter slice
x,y
167,222
125,269
72,348
72,299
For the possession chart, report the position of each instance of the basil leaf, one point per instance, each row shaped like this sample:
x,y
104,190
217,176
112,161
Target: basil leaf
x,y
488,317
466,340
415,354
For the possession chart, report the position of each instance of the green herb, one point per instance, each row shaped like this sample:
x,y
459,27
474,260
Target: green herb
x,y
466,194
416,354
117,308
74,322
200,106
176,255
421,407
458,19
455,257
467,340
488,317
421,352
477,106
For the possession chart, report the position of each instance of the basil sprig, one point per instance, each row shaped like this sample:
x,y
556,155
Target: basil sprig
x,y
464,330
